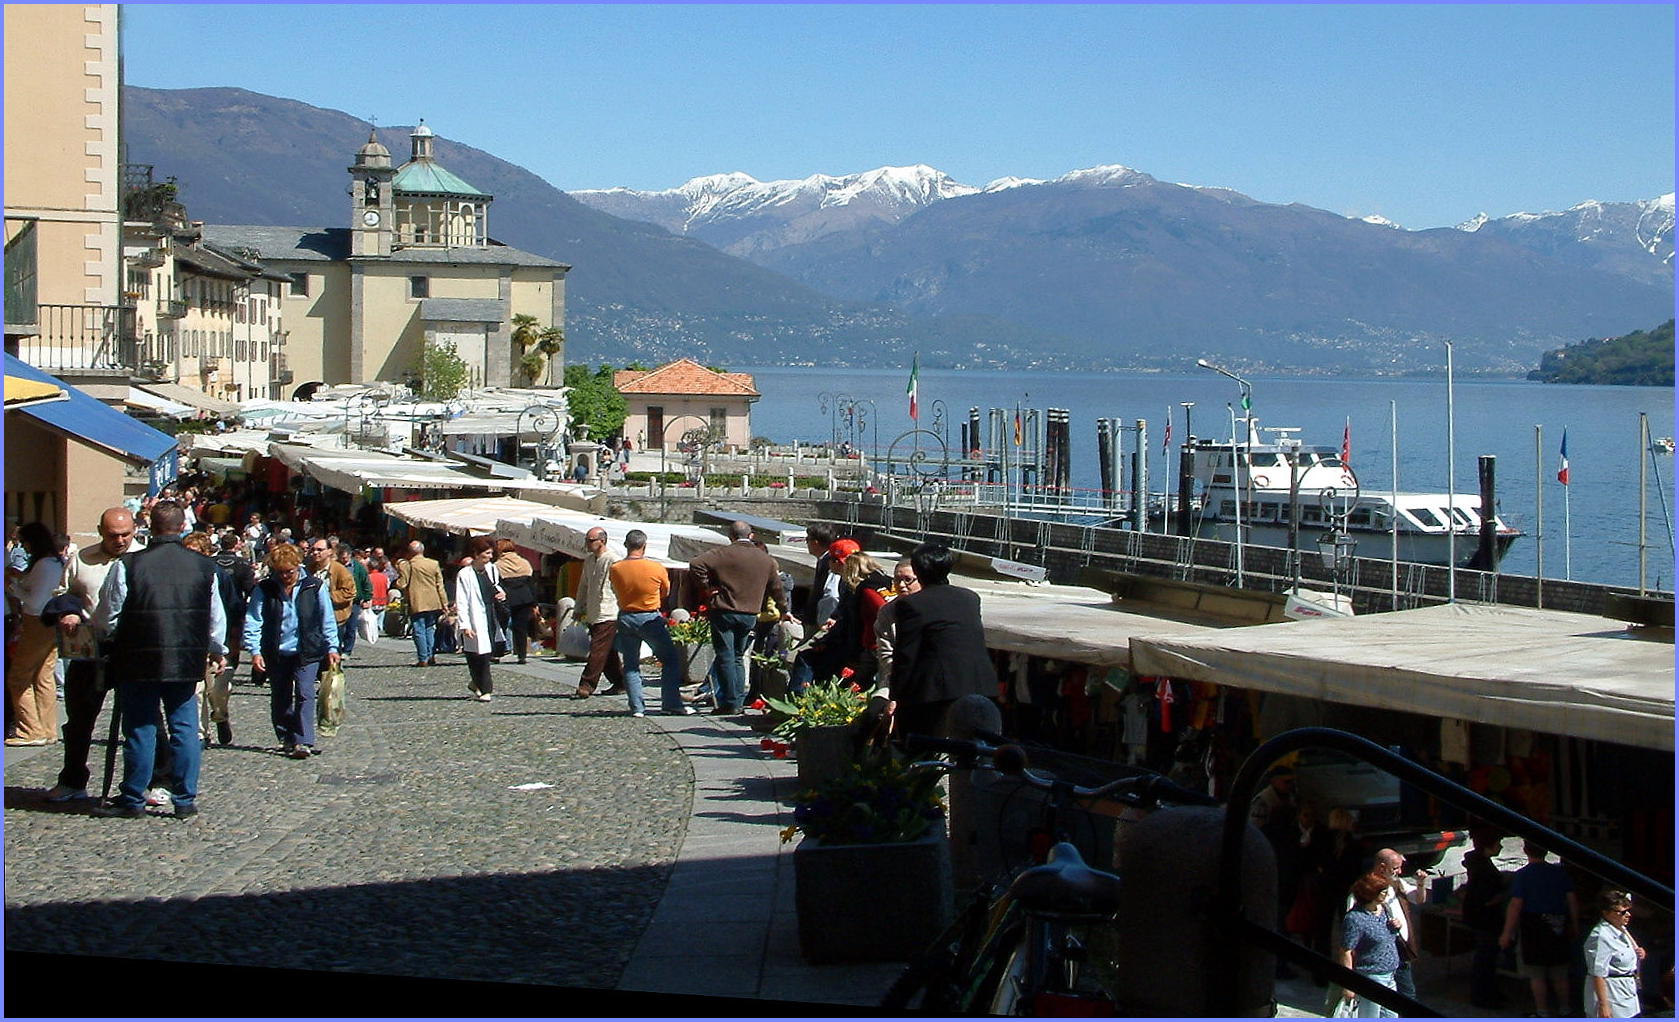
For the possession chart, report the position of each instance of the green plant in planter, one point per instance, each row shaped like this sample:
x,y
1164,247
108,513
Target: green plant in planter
x,y
821,704
878,800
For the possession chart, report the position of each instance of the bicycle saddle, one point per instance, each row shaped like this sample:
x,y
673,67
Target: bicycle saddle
x,y
1066,886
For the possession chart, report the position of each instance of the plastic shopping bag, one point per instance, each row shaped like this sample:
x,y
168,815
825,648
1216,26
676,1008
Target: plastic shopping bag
x,y
574,642
1345,1007
329,701
367,626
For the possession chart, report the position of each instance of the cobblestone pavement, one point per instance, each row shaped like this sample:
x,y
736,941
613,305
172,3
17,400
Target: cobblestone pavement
x,y
402,850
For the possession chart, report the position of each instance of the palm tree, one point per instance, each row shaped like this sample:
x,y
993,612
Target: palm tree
x,y
525,330
550,342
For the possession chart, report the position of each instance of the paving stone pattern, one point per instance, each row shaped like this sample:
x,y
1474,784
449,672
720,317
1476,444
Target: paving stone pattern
x,y
401,850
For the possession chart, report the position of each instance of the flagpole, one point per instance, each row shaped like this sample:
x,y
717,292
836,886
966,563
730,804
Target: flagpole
x,y
1539,509
1451,483
1643,498
1567,521
1393,444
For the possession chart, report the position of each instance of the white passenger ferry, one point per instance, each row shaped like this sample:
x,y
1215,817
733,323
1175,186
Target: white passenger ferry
x,y
1261,471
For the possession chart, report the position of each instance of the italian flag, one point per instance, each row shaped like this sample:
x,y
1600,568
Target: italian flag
x,y
914,381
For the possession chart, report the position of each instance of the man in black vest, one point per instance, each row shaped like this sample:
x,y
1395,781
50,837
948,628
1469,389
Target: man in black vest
x,y
940,653
166,620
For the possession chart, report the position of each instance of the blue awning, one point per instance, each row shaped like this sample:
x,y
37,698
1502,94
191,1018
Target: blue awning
x,y
92,421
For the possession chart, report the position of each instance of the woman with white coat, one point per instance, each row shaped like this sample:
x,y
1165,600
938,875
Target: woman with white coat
x,y
476,599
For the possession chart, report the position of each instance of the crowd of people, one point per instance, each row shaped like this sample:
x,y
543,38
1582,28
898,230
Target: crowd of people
x,y
291,599
1357,906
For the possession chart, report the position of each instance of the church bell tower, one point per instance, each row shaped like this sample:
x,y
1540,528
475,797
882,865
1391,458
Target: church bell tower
x,y
372,200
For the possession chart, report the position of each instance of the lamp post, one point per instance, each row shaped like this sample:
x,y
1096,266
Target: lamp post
x,y
1247,394
859,422
545,423
664,443
1335,547
830,404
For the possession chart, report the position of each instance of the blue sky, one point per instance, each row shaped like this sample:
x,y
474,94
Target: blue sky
x,y
1426,115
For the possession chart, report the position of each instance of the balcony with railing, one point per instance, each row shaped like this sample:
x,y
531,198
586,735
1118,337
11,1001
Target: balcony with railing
x,y
74,337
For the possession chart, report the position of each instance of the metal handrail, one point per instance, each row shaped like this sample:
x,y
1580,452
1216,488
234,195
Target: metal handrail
x,y
1246,783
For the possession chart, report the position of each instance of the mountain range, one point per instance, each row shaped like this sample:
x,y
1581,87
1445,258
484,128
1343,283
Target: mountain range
x,y
1099,268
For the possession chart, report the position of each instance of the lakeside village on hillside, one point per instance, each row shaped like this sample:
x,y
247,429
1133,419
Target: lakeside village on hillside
x,y
1172,629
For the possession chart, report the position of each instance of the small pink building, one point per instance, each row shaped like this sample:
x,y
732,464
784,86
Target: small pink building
x,y
665,403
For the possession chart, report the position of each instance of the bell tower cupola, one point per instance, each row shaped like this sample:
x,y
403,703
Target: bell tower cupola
x,y
421,141
372,199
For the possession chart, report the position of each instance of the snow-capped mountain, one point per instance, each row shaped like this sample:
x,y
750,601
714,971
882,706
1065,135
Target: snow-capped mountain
x,y
1629,237
740,214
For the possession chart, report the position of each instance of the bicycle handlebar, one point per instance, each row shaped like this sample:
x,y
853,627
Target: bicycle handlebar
x,y
1010,759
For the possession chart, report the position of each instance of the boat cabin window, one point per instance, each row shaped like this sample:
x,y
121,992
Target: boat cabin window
x,y
1268,510
1227,509
1312,514
1427,517
1360,516
1460,517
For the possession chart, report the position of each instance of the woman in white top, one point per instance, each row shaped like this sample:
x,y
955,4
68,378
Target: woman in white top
x,y
1612,958
30,686
476,590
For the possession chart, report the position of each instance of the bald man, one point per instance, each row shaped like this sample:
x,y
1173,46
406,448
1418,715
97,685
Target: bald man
x,y
83,694
421,580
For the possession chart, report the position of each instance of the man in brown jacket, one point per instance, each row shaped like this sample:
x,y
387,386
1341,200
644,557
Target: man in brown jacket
x,y
597,607
734,582
341,585
420,579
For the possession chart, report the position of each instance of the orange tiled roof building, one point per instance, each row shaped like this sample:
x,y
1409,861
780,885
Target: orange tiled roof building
x,y
666,402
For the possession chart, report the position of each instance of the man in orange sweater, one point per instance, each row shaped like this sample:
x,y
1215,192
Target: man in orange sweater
x,y
641,586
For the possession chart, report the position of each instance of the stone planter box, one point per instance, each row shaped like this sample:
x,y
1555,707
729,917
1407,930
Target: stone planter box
x,y
861,903
696,662
824,753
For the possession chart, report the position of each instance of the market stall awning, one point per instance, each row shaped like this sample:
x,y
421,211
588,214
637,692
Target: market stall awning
x,y
1059,622
466,516
351,470
185,395
563,531
21,392
86,419
1539,670
138,398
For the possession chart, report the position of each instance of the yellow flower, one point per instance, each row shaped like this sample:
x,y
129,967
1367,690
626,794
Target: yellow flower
x,y
788,833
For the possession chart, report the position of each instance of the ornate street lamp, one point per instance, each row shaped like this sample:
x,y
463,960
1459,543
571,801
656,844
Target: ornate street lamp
x,y
545,422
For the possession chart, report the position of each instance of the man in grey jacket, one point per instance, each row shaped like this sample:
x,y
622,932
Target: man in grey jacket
x,y
597,608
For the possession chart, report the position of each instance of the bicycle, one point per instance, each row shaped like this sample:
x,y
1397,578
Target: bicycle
x,y
1015,948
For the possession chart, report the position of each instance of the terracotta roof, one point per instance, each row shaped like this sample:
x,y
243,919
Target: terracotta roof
x,y
684,376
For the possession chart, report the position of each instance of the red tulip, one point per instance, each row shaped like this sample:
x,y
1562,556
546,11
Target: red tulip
x,y
757,704
767,744
781,752
846,673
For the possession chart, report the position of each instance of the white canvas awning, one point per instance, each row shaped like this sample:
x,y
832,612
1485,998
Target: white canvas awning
x,y
138,398
465,516
563,532
1060,622
182,394
1539,670
351,470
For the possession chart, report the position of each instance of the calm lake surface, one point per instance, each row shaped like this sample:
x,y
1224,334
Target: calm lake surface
x,y
1492,418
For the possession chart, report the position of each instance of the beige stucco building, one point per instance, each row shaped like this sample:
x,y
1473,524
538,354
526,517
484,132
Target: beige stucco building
x,y
665,403
415,264
63,168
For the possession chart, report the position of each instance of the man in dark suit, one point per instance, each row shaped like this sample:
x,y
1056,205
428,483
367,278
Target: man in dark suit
x,y
940,653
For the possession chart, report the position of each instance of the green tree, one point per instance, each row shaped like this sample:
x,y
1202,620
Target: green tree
x,y
443,373
525,331
594,400
549,343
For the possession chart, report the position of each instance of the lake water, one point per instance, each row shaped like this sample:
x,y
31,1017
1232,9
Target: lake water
x,y
1492,418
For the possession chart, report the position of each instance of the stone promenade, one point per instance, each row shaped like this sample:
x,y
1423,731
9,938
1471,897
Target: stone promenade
x,y
534,839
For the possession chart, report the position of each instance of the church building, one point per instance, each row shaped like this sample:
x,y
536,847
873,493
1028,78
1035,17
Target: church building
x,y
415,265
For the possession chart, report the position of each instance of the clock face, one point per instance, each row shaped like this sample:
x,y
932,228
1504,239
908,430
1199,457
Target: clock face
x,y
370,218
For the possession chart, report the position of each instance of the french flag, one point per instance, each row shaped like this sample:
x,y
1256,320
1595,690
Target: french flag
x,y
1562,470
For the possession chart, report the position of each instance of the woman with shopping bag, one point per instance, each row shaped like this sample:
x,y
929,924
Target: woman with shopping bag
x,y
478,607
290,629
